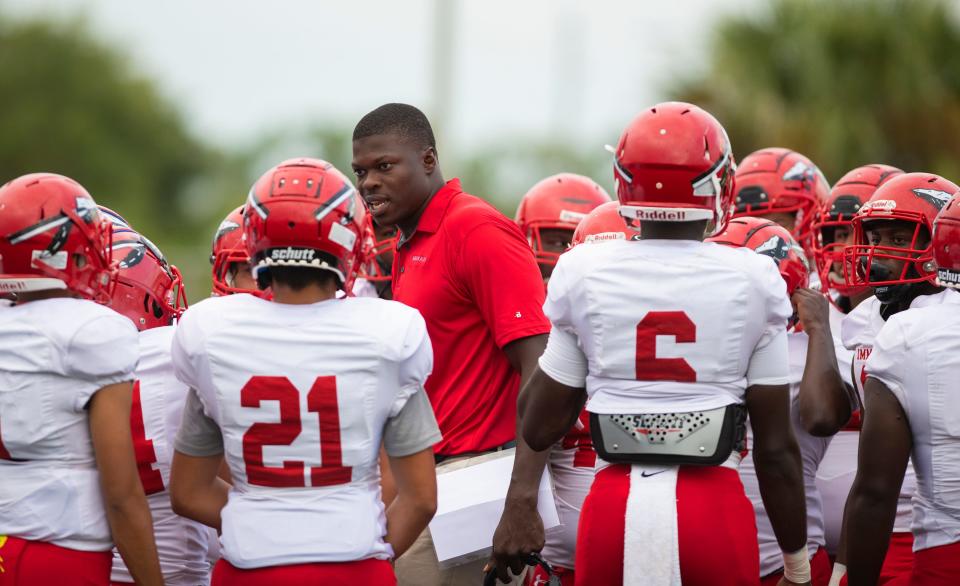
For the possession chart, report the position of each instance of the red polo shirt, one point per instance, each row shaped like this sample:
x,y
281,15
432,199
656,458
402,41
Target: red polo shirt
x,y
472,275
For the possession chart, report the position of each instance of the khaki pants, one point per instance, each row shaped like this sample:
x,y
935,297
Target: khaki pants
x,y
418,566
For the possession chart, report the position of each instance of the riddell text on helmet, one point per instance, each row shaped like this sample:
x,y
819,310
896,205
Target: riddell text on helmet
x,y
662,215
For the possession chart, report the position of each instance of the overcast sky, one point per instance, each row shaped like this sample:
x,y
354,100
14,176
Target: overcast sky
x,y
579,69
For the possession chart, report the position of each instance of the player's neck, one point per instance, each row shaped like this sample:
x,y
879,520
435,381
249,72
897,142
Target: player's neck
x,y
672,230
29,296
312,293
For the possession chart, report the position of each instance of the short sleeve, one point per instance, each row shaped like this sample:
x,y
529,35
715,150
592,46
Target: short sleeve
x,y
888,359
564,360
199,435
415,361
498,271
104,351
413,429
185,350
770,362
557,305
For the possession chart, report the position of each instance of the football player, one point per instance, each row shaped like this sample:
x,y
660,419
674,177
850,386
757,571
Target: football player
x,y
783,186
830,407
69,488
770,239
670,342
228,258
911,405
892,255
149,291
549,213
572,460
299,392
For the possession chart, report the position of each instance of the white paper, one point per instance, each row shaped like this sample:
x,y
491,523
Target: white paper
x,y
470,502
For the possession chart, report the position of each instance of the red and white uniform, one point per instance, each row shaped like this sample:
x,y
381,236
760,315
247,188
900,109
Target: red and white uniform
x,y
859,330
54,355
839,465
666,326
917,356
158,399
301,395
572,465
812,450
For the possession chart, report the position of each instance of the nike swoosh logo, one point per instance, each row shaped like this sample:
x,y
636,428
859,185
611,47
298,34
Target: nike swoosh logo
x,y
646,475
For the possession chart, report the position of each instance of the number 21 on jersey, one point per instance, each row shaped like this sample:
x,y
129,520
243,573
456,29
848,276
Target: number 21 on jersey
x,y
649,366
322,400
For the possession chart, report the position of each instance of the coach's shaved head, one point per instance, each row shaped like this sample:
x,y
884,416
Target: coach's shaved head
x,y
395,161
403,120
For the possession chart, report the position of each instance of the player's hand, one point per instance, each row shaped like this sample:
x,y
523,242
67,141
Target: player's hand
x,y
519,533
812,308
785,582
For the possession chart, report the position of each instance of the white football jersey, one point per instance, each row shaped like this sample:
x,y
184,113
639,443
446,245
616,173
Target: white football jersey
x,y
670,325
812,450
54,355
301,394
158,399
917,356
859,330
572,464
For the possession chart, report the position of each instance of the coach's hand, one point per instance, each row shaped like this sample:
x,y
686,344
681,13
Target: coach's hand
x,y
812,308
519,533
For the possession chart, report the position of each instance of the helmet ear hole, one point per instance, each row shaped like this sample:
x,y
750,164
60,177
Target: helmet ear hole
x,y
157,309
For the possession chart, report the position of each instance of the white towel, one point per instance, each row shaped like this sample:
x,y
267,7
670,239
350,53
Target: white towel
x,y
651,550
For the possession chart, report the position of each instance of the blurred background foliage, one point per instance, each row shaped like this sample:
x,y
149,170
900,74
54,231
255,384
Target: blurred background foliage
x,y
846,82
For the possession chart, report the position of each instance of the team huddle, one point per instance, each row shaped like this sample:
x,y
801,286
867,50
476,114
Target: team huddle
x,y
731,374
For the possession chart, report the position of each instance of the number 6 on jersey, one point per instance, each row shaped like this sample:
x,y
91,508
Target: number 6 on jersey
x,y
664,323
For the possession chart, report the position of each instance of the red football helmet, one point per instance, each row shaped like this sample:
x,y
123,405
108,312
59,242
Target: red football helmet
x,y
149,291
228,250
558,202
53,237
304,212
379,260
780,180
769,239
946,244
915,198
674,164
846,198
605,223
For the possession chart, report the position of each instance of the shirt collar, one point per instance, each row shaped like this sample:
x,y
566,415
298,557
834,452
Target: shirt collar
x,y
436,208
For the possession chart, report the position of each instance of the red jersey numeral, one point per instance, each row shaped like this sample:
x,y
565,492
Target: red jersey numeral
x,y
150,477
664,323
4,454
579,438
322,400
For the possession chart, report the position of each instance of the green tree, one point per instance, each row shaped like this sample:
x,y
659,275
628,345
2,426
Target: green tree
x,y
72,105
846,82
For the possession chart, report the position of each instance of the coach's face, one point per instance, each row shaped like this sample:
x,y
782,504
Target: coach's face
x,y
393,176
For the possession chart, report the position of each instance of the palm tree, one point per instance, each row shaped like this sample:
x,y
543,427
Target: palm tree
x,y
846,82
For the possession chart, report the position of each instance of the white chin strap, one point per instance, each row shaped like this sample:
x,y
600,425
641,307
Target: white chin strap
x,y
315,264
